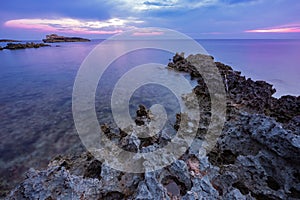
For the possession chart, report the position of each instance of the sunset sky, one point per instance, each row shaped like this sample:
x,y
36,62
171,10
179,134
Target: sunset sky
x,y
207,19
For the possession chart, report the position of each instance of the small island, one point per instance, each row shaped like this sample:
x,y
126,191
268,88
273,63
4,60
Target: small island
x,y
13,46
9,40
53,38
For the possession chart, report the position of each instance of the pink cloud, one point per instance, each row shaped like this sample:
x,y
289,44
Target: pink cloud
x,y
213,33
92,32
152,33
289,28
15,24
69,25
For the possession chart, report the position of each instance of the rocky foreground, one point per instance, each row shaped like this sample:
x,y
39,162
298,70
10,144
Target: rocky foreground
x,y
257,155
53,38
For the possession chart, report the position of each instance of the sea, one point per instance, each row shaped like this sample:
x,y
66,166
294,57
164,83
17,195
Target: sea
x,y
36,121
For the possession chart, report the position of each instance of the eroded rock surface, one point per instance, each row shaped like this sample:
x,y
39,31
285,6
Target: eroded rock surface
x,y
257,155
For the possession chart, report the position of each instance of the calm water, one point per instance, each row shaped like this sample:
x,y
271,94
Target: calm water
x,y
275,61
36,91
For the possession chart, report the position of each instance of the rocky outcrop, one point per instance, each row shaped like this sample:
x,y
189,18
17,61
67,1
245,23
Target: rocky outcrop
x,y
9,40
13,46
242,166
257,155
56,38
250,96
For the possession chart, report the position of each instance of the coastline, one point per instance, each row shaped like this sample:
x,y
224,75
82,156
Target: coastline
x,y
261,134
52,38
27,45
9,40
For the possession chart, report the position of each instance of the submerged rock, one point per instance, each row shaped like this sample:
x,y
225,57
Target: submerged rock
x,y
142,116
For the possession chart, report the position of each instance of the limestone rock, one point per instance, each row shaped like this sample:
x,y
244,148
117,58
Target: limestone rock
x,y
255,157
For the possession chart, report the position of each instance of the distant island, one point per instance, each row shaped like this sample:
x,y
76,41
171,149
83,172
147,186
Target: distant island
x,y
12,46
9,40
53,38
56,38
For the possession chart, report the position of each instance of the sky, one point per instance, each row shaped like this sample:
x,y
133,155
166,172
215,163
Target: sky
x,y
199,19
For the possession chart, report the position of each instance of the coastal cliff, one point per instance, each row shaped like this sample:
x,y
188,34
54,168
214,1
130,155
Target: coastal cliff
x,y
257,155
53,38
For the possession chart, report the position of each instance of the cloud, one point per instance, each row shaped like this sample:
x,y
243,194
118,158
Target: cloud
x,y
154,5
289,28
148,33
80,9
69,25
231,2
197,18
175,5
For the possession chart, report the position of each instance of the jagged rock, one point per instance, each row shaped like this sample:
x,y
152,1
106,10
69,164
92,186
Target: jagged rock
x,y
55,183
178,57
251,96
93,170
106,129
142,111
130,143
270,134
142,116
177,123
202,189
265,132
116,181
13,46
179,168
56,38
122,133
285,108
154,186
255,157
235,194
143,192
182,64
294,125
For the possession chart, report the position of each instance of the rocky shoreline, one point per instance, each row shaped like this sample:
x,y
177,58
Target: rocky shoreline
x,y
9,40
257,155
53,38
13,46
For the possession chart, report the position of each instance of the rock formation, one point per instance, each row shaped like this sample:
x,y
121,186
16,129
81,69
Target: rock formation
x,y
13,46
257,155
9,40
56,38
